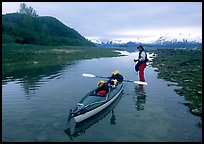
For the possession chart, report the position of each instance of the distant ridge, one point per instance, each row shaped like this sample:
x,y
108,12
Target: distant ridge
x,y
167,40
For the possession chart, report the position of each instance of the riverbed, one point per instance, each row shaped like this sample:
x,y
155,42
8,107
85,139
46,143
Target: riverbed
x,y
36,109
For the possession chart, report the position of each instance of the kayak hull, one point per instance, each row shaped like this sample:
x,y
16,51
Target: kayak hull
x,y
92,112
93,103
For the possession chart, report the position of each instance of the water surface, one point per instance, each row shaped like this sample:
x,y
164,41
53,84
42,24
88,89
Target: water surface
x,y
35,107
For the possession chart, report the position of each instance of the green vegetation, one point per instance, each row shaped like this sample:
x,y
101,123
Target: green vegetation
x,y
183,66
26,27
18,56
33,45
27,10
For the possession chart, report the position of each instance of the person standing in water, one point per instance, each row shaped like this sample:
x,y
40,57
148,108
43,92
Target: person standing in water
x,y
141,62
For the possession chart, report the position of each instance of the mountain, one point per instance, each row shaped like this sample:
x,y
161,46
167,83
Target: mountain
x,y
168,40
178,38
96,41
39,30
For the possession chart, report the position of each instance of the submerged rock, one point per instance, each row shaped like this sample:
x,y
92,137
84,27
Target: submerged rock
x,y
55,125
197,112
172,84
180,91
187,80
173,80
187,104
199,92
35,62
42,138
156,69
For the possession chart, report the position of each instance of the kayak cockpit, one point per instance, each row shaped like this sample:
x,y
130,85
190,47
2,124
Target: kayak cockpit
x,y
101,91
97,100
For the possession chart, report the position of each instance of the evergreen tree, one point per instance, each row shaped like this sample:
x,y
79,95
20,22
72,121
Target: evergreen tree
x,y
27,10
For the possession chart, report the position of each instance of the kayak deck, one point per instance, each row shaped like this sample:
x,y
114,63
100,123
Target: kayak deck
x,y
93,103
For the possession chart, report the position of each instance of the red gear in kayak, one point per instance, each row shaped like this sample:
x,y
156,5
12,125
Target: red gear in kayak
x,y
102,92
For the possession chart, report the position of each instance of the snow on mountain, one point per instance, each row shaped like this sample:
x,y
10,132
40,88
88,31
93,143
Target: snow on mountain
x,y
166,38
118,41
96,41
178,37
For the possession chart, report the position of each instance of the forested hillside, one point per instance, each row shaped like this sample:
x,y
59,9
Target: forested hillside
x,y
39,30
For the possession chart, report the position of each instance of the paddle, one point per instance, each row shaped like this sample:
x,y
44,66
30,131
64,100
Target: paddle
x,y
91,75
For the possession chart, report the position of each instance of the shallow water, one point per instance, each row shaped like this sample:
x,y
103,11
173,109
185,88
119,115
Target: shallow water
x,y
35,108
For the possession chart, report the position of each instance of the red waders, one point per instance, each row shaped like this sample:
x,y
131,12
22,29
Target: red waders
x,y
141,71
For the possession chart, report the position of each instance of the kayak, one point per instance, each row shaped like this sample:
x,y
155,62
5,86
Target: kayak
x,y
94,102
80,127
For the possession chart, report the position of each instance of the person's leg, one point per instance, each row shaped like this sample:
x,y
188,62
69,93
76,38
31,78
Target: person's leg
x,y
141,72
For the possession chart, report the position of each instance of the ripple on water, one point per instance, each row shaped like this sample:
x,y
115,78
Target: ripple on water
x,y
36,109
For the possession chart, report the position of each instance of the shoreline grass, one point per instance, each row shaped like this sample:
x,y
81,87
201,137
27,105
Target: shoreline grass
x,y
183,66
17,56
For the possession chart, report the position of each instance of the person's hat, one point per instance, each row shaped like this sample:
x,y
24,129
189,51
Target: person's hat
x,y
140,46
115,72
101,82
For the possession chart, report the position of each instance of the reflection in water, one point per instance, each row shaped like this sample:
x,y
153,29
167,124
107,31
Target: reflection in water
x,y
43,117
113,118
140,97
74,129
30,86
32,78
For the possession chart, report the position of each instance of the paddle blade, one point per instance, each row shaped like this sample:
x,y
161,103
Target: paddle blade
x,y
88,75
140,82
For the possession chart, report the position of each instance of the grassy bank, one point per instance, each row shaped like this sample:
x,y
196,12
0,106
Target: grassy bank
x,y
16,57
183,66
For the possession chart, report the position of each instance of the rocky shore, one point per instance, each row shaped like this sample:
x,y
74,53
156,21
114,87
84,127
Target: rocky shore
x,y
184,68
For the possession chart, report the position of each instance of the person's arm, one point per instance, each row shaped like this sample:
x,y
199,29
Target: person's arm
x,y
135,60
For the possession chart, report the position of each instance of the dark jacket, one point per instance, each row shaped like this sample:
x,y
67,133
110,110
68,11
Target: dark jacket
x,y
137,66
118,77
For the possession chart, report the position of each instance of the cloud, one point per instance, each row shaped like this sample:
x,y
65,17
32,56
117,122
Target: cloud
x,y
110,20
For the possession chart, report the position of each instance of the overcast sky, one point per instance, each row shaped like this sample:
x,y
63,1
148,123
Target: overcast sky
x,y
121,20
